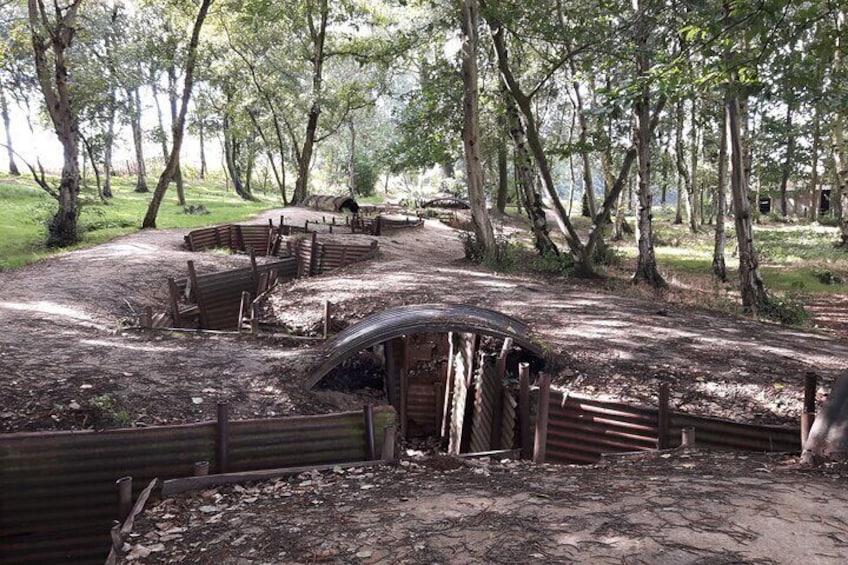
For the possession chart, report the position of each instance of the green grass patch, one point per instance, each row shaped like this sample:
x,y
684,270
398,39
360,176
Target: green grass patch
x,y
25,210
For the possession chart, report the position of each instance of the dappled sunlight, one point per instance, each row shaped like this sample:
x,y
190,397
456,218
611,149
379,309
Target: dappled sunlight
x,y
146,347
51,308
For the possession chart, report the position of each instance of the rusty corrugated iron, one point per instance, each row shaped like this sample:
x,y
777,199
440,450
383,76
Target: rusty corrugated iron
x,y
57,489
580,429
331,203
712,433
416,319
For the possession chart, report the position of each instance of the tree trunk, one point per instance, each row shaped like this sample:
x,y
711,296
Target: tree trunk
x,y
829,434
4,112
750,283
503,177
683,192
90,151
108,144
646,262
525,178
585,154
134,100
840,151
694,192
719,266
470,130
318,35
50,40
786,169
179,126
268,152
815,193
582,263
201,134
172,100
351,160
232,149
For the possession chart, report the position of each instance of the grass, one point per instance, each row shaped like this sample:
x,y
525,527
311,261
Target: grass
x,y
25,210
792,257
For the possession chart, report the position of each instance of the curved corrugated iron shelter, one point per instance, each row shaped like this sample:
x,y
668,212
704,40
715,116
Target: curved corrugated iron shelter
x,y
447,202
331,203
416,319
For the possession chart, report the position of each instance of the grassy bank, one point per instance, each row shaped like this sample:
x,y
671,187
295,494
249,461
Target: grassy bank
x,y
25,210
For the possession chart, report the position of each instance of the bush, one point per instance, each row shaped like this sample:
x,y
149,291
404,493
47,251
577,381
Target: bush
x,y
550,264
828,277
365,176
504,258
787,309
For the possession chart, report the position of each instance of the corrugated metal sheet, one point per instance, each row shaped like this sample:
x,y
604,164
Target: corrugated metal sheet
x,y
331,203
57,489
713,433
487,392
580,429
415,319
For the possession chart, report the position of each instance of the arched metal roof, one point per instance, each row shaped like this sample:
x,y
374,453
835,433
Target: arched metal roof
x,y
447,202
331,203
415,319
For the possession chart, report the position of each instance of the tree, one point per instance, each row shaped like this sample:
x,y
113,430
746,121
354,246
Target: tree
x,y
179,126
52,36
646,262
470,130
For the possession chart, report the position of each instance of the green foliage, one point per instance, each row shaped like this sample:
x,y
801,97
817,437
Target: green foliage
x,y
788,309
550,264
366,176
106,414
826,276
505,258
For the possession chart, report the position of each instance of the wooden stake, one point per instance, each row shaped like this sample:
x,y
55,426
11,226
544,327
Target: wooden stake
x,y
524,410
540,444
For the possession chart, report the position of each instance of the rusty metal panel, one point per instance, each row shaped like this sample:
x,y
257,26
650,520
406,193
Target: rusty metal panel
x,y
510,420
421,410
581,429
57,489
485,396
713,433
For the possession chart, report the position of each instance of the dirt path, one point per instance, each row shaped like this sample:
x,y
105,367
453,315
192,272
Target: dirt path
x,y
689,507
66,362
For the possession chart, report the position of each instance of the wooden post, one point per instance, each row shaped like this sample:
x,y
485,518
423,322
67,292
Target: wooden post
x,y
175,301
147,317
201,468
254,318
540,444
404,388
327,306
124,497
198,296
370,439
524,410
313,255
223,439
389,440
244,308
687,437
808,414
663,418
378,226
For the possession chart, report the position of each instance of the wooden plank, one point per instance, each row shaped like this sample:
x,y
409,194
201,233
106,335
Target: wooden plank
x,y
198,296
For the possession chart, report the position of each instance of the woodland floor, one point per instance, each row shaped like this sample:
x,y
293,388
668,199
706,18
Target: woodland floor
x,y
66,362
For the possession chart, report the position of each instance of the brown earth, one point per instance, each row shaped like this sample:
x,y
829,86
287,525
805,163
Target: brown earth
x,y
68,361
684,507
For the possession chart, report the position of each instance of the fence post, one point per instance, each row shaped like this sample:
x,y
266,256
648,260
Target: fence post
x,y
198,296
524,410
201,468
370,440
389,439
808,414
124,497
663,418
223,438
327,306
313,255
687,437
542,419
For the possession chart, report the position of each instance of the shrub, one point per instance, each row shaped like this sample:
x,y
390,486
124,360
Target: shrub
x,y
828,277
787,309
561,265
504,258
